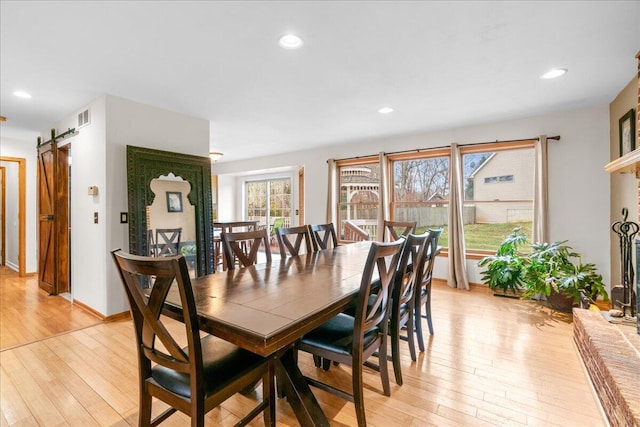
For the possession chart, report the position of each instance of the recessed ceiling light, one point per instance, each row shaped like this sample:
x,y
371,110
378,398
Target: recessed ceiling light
x,y
385,110
556,72
22,94
290,41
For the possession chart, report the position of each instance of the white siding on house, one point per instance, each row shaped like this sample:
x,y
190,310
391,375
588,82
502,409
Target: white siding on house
x,y
517,164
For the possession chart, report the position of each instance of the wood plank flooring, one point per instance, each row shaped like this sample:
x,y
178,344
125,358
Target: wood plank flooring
x,y
492,361
29,314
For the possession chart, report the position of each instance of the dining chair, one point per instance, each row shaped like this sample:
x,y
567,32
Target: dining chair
x,y
243,246
351,340
322,234
168,241
285,237
193,379
395,229
403,299
423,291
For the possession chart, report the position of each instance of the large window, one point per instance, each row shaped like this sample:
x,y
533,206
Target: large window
x,y
498,193
269,200
420,183
359,199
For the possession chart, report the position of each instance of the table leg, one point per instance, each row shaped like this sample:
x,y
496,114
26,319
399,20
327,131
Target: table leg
x,y
298,393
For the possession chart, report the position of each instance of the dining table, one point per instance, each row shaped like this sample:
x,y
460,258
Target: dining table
x,y
266,308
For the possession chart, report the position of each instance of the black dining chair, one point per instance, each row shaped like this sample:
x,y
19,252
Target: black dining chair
x,y
168,241
243,247
394,229
423,291
193,379
351,340
323,235
290,240
403,299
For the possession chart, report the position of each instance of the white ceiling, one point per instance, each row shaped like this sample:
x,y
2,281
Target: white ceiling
x,y
438,64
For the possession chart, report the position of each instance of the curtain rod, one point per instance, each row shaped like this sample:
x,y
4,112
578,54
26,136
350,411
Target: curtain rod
x,y
418,150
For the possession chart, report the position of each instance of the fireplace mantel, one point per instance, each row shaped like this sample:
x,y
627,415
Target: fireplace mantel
x,y
629,163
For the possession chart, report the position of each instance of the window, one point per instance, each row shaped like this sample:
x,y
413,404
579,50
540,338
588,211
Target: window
x,y
498,193
503,178
268,200
420,183
359,199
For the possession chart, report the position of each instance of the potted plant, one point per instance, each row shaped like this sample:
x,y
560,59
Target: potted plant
x,y
557,272
506,269
553,270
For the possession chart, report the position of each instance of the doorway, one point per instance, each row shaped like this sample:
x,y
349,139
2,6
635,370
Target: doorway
x,y
22,210
268,201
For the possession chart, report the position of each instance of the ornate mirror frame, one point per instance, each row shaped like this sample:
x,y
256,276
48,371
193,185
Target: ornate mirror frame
x,y
145,164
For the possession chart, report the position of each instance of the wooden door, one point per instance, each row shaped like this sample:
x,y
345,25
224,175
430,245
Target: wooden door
x,y
53,219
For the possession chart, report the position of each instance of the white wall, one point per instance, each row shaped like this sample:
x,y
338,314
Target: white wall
x,y
99,159
579,186
25,149
624,187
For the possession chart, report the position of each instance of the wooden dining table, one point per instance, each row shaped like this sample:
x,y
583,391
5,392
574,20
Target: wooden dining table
x,y
266,308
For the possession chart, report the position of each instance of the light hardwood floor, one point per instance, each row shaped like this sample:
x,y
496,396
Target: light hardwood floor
x,y
28,314
492,361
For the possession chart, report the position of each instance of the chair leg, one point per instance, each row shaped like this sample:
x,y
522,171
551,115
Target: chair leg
x,y
326,364
383,367
410,337
144,417
418,322
358,394
427,307
395,352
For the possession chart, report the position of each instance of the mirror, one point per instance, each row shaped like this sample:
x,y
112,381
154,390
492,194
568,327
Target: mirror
x,y
171,227
162,188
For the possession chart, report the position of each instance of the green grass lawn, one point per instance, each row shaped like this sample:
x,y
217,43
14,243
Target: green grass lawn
x,y
482,236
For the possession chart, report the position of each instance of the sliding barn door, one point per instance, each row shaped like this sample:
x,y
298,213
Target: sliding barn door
x,y
53,217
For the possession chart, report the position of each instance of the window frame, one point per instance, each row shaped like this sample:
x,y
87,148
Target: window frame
x,y
356,161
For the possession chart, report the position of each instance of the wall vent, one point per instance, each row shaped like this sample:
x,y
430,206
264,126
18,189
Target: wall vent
x,y
84,118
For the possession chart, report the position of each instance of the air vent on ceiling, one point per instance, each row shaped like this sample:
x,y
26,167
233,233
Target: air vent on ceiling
x,y
83,118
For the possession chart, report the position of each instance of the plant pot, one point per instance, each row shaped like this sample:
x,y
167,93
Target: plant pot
x,y
560,301
517,294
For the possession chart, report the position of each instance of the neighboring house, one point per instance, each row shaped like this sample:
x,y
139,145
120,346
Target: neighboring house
x,y
506,180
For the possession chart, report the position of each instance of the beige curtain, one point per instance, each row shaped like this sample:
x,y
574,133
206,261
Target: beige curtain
x,y
457,262
540,192
332,193
383,208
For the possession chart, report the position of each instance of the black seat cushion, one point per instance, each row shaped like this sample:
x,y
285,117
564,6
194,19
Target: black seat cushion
x,y
222,362
336,335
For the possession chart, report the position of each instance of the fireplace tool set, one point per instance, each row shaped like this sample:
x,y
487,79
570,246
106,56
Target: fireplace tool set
x,y
624,297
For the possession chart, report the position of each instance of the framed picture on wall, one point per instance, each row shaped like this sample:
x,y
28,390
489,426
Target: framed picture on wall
x,y
174,201
627,133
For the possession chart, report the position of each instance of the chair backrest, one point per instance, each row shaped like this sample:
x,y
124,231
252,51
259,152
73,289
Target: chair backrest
x,y
168,241
320,235
408,279
395,229
230,227
284,236
244,246
372,310
150,331
431,250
